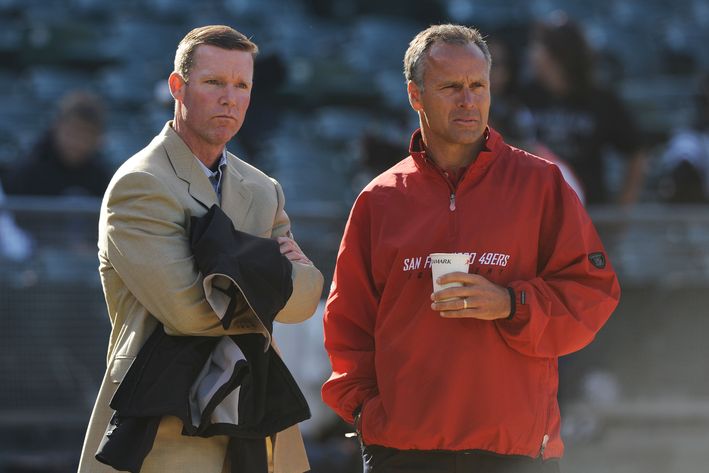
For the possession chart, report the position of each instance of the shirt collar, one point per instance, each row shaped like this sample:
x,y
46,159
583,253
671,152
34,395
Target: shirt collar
x,y
215,177
208,172
417,147
491,147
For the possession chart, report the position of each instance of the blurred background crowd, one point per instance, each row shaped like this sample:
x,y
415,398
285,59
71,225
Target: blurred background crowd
x,y
616,92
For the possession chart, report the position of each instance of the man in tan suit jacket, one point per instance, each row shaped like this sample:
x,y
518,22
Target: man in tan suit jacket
x,y
147,269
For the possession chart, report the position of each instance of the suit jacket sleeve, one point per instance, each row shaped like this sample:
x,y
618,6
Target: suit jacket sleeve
x,y
144,234
307,280
576,290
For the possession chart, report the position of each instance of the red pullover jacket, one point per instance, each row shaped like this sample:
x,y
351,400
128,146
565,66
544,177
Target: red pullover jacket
x,y
430,383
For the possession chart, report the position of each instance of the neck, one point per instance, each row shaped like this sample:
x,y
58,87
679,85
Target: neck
x,y
451,157
207,153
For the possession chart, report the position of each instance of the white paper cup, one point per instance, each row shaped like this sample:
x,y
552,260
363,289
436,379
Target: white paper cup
x,y
444,263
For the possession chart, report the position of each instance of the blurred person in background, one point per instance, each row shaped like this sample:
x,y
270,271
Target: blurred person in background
x,y
147,267
266,111
377,153
15,244
67,159
685,161
465,378
508,113
575,117
511,117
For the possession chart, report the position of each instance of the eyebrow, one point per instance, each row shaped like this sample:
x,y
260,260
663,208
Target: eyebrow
x,y
480,80
217,76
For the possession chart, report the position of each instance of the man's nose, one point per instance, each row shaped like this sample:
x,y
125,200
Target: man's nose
x,y
467,98
230,96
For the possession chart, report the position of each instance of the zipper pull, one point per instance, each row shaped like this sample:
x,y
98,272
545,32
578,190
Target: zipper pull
x,y
452,206
545,440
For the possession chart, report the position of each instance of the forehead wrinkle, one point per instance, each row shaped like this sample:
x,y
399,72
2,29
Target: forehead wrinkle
x,y
445,75
444,60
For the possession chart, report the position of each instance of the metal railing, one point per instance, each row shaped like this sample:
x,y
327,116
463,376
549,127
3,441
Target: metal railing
x,y
648,244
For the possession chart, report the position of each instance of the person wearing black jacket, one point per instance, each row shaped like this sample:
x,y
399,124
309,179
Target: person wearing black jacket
x,y
67,159
577,118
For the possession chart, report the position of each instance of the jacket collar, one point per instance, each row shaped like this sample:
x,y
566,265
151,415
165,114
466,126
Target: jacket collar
x,y
236,197
186,166
493,143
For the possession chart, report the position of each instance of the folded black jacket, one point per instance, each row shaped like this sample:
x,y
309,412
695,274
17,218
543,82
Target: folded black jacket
x,y
176,375
253,266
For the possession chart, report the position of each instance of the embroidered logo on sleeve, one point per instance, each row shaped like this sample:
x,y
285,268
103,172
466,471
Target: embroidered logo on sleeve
x,y
598,260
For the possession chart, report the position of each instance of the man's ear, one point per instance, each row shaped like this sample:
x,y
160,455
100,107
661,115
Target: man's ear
x,y
177,86
414,96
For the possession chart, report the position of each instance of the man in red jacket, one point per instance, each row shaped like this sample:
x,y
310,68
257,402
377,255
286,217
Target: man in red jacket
x,y
464,379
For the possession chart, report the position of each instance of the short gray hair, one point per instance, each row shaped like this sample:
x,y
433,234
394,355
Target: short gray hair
x,y
449,34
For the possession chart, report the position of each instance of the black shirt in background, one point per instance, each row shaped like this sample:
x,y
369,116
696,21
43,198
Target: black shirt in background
x,y
579,128
43,173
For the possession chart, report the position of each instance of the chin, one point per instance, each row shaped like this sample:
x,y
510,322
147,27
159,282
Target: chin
x,y
224,136
468,138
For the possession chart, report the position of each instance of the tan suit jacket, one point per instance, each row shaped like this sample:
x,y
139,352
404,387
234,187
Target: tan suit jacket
x,y
149,276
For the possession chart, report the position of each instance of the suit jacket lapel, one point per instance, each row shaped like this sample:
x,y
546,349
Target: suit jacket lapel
x,y
236,196
186,167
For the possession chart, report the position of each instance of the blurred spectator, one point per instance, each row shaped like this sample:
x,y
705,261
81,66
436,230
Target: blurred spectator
x,y
15,245
66,160
575,117
265,109
511,117
508,114
685,162
377,153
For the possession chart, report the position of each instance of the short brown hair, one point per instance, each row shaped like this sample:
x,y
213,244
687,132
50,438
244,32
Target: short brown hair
x,y
220,36
449,34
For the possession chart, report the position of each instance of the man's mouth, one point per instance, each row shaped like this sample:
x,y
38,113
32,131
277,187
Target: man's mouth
x,y
466,120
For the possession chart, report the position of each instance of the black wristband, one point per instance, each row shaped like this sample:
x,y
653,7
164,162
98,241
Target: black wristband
x,y
513,303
